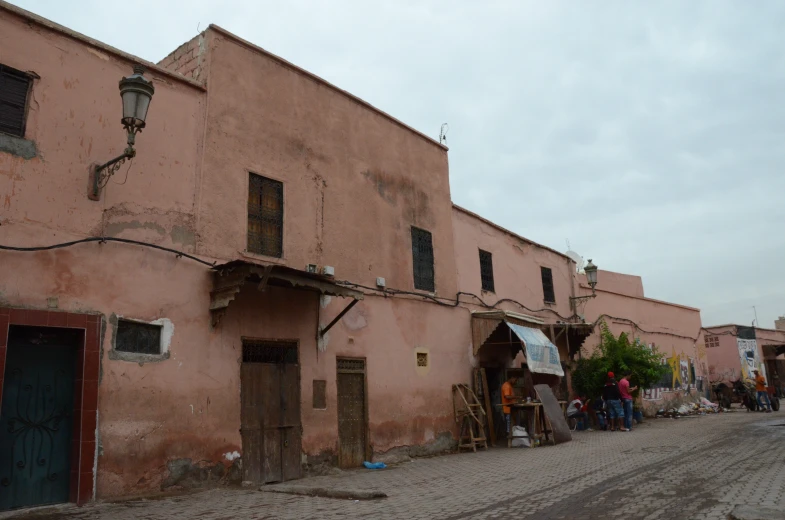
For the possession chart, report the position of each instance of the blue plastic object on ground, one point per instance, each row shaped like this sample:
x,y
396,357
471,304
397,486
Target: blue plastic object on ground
x,y
374,465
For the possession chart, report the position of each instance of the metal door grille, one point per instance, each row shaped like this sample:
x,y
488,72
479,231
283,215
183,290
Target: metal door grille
x,y
14,85
486,270
272,352
422,259
265,216
351,365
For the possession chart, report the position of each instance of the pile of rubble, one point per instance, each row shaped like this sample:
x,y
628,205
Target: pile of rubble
x,y
705,407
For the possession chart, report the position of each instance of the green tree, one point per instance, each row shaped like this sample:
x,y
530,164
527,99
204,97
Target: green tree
x,y
618,355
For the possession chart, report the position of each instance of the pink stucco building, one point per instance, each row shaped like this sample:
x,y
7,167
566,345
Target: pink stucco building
x,y
733,351
330,296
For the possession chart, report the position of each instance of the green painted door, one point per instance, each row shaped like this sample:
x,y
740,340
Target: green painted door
x,y
35,420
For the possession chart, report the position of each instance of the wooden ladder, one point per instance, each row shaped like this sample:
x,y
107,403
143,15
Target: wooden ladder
x,y
471,416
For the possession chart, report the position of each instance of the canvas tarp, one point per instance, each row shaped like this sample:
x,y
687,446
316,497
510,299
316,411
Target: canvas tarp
x,y
542,356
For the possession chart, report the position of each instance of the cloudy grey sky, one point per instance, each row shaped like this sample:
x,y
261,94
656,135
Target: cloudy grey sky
x,y
649,134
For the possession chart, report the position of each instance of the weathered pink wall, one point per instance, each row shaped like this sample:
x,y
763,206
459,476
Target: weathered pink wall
x,y
354,180
724,361
672,328
74,121
627,284
516,267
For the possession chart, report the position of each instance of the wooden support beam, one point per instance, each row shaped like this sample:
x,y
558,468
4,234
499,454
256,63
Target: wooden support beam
x,y
265,277
337,318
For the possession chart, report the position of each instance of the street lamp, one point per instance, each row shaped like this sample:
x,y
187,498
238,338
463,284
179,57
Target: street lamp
x,y
136,92
591,277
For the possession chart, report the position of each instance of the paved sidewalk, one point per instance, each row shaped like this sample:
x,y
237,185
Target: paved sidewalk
x,y
690,468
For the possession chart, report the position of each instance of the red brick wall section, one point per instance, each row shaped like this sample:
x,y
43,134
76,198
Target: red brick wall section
x,y
85,414
187,59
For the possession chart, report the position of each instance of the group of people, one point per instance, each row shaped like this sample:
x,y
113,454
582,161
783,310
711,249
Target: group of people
x,y
613,409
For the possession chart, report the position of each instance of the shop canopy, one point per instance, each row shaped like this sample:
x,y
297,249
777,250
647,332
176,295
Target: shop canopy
x,y
542,356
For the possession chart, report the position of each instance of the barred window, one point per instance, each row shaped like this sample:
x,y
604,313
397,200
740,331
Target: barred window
x,y
422,258
138,338
712,341
350,365
265,216
486,270
14,86
547,285
273,352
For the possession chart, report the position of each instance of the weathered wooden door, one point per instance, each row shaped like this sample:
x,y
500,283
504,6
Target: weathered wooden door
x,y
352,426
270,417
36,420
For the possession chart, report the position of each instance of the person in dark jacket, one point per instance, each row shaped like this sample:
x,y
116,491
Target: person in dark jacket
x,y
612,397
599,410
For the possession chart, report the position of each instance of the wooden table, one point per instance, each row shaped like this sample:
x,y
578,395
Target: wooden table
x,y
536,429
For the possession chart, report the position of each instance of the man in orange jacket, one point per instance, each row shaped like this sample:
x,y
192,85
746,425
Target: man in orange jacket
x,y
508,397
760,388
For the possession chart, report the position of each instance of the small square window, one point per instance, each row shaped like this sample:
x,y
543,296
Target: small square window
x,y
320,394
422,359
138,338
14,87
712,341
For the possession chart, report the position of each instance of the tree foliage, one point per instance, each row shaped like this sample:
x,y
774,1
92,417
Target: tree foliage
x,y
617,355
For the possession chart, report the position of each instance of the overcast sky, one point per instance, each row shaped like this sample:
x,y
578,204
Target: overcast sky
x,y
649,134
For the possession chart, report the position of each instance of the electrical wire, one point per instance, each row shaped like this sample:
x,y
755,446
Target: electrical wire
x,y
104,240
445,302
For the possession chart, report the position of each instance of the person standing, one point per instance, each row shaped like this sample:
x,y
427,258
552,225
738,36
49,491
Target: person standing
x,y
508,398
612,398
760,389
626,399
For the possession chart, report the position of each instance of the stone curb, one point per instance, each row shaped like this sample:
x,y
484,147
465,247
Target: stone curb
x,y
351,494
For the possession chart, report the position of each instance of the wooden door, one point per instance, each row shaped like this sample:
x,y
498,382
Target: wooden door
x,y
352,425
36,420
271,428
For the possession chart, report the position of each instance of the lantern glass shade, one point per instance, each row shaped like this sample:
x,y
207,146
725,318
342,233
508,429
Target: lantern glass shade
x,y
591,273
136,92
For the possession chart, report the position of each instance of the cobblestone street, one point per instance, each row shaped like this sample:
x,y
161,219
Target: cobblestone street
x,y
690,468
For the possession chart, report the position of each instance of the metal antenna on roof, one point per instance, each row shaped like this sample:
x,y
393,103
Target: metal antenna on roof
x,y
443,133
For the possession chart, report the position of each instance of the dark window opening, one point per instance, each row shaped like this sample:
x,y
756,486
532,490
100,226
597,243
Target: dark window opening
x,y
712,341
138,338
422,359
422,258
486,271
265,216
319,394
547,285
273,352
14,86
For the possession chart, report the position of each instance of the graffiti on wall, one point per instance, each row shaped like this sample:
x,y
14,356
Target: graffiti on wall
x,y
750,360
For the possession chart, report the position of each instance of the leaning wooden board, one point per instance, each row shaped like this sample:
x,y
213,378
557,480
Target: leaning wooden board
x,y
554,413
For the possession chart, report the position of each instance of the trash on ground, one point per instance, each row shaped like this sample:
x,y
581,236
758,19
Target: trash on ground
x,y
374,465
